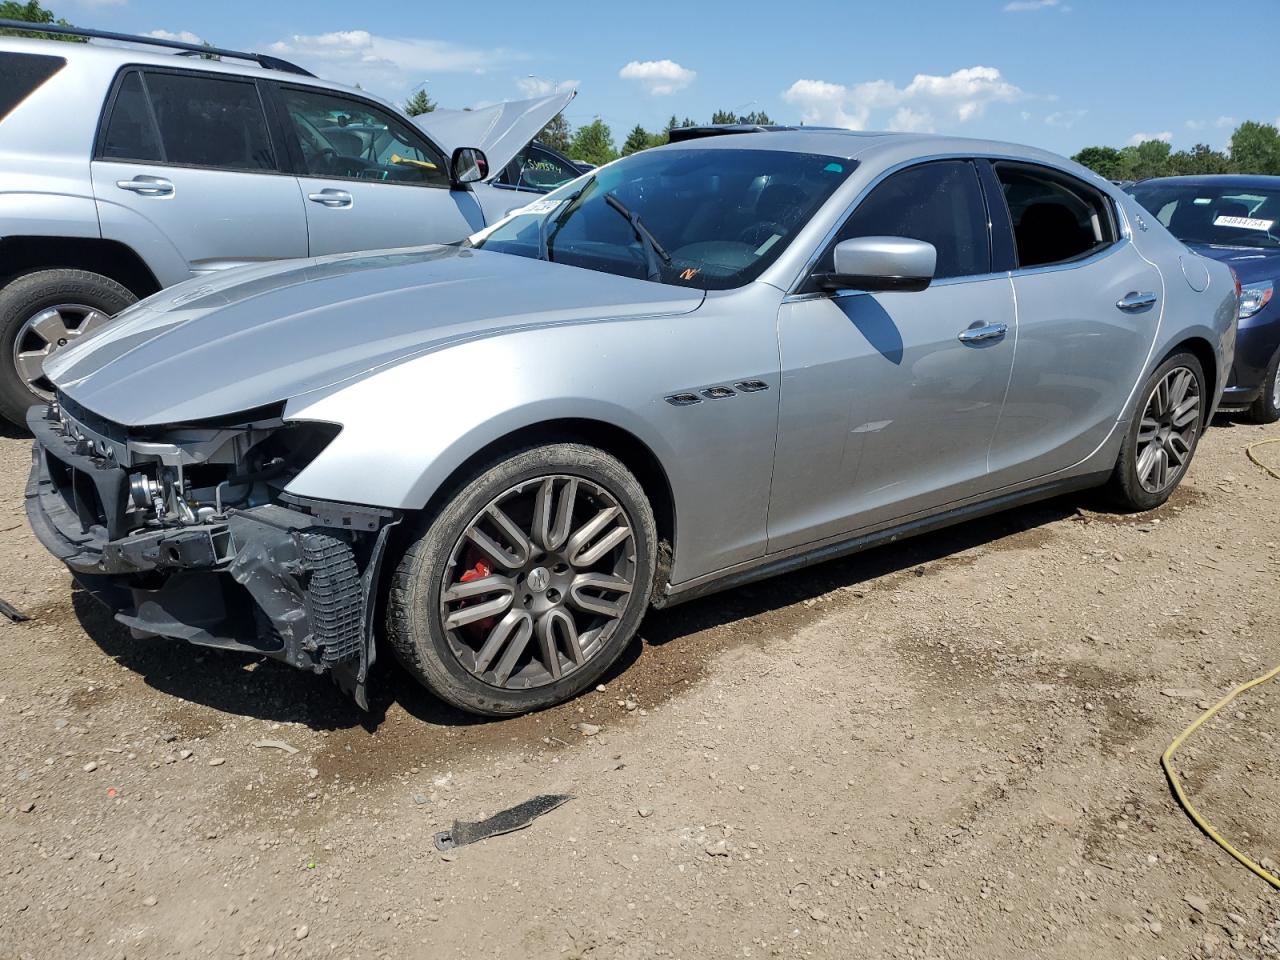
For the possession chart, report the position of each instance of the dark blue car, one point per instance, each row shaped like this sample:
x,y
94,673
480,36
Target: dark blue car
x,y
1235,219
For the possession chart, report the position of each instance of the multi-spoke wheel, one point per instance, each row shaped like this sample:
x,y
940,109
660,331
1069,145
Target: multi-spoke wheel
x,y
40,313
1163,437
528,584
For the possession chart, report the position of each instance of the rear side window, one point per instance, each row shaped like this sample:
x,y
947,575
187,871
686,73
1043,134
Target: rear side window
x,y
940,203
188,120
1055,218
23,74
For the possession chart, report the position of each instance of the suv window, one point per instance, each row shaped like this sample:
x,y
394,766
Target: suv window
x,y
536,168
1055,217
23,74
939,202
189,120
344,138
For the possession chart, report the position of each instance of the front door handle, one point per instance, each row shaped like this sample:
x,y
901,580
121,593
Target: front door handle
x,y
147,186
990,331
1136,301
329,197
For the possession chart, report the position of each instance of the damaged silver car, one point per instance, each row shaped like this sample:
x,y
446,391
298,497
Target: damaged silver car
x,y
697,366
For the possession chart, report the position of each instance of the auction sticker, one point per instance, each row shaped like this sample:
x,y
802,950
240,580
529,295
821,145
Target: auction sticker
x,y
540,206
1243,223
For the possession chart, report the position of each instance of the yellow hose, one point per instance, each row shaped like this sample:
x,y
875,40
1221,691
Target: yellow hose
x,y
1166,761
1248,452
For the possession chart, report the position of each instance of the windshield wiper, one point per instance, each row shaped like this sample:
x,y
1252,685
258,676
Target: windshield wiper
x,y
652,248
544,238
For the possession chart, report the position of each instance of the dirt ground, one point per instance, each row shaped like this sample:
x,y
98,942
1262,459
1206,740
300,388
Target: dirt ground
x,y
946,748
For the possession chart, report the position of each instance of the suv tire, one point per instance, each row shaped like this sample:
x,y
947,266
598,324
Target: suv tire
x,y
548,631
23,299
1266,409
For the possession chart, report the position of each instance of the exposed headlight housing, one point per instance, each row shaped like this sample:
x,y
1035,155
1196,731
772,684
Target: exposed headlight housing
x,y
1253,297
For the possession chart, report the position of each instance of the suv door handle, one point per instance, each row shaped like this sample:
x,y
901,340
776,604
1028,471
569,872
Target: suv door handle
x,y
329,197
991,331
1136,301
147,186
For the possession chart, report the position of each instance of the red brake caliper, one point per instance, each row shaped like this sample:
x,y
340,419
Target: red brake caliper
x,y
477,572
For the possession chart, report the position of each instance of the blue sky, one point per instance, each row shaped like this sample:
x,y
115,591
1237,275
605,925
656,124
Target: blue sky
x,y
1061,74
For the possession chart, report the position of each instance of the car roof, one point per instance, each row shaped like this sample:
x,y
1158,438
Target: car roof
x,y
1219,180
109,56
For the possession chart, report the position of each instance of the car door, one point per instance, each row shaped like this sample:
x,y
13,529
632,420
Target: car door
x,y
889,400
186,172
1088,310
370,179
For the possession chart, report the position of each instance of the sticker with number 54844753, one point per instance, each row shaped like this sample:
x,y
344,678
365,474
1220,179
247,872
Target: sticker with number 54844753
x,y
1243,223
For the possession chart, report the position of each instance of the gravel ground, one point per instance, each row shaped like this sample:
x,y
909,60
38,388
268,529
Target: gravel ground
x,y
948,748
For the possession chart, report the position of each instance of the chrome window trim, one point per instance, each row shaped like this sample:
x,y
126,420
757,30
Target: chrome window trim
x,y
1125,234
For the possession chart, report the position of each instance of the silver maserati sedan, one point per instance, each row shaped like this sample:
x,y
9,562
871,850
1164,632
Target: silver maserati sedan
x,y
697,366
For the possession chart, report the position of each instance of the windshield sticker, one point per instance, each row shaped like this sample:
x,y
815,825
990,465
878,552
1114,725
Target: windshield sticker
x,y
540,207
764,247
1243,223
688,273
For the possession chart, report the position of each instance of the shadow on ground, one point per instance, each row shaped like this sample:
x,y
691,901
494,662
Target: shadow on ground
x,y
249,685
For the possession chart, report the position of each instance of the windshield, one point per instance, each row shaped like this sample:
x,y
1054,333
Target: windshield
x,y
1227,216
711,219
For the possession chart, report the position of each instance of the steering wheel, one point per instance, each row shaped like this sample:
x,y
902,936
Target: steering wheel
x,y
758,233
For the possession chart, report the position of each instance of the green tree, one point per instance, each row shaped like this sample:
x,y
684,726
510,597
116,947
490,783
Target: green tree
x,y
724,116
1255,148
1106,162
1148,159
757,117
639,139
557,134
32,12
593,143
419,103
1199,161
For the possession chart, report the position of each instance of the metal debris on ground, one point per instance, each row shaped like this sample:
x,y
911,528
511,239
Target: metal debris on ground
x,y
12,612
507,821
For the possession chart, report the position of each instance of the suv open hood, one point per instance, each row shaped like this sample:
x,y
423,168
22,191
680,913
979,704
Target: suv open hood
x,y
501,131
217,346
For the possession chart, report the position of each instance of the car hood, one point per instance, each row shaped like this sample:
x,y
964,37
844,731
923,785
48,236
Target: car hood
x,y
256,336
501,130
1251,264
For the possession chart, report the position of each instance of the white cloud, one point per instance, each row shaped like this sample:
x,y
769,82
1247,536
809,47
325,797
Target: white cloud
x,y
1065,118
1224,122
659,78
532,86
382,64
1195,124
186,36
906,120
962,95
1164,136
1024,6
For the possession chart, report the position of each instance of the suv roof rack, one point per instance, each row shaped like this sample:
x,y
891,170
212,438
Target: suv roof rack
x,y
262,59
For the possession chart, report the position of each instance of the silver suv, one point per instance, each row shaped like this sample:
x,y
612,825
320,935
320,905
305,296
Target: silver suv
x,y
128,169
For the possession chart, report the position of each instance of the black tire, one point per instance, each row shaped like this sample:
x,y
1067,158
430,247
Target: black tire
x,y
1125,489
1265,409
26,296
413,611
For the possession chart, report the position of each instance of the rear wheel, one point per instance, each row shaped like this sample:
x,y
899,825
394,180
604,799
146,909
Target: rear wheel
x,y
1266,409
528,584
40,313
1162,439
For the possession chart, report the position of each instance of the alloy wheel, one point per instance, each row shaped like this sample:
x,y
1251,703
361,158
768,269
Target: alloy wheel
x,y
47,332
1167,433
538,582
1275,390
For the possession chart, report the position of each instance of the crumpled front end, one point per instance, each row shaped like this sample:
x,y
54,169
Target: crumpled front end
x,y
189,533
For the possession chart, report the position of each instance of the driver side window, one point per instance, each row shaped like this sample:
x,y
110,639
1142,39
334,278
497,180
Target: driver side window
x,y
340,138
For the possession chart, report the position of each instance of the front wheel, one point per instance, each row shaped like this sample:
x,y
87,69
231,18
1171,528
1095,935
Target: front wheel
x,y
1266,409
1162,439
527,585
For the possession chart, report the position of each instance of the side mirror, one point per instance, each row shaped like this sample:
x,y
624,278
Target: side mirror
x,y
880,263
468,165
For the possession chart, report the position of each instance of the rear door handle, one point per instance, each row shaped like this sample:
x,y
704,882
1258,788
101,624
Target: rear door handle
x,y
991,331
1136,301
329,197
147,186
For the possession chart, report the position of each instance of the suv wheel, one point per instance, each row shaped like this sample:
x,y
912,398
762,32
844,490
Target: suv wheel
x,y
1162,439
527,585
1266,409
39,314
